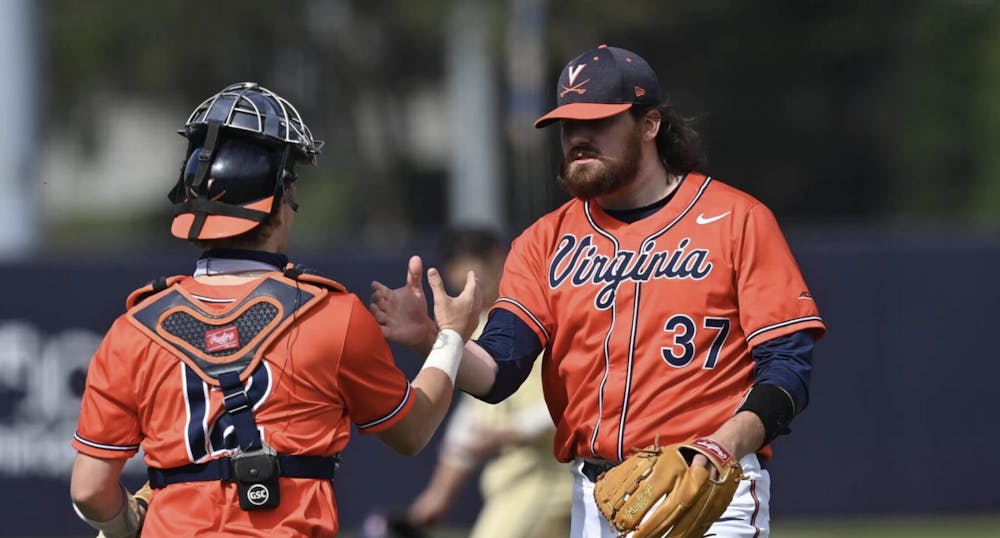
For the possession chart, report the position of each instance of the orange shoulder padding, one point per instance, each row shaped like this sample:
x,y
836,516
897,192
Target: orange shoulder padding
x,y
303,274
150,289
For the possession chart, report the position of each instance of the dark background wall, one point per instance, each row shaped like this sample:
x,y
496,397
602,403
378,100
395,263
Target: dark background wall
x,y
902,392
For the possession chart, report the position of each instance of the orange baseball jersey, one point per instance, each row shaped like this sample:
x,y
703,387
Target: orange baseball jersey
x,y
648,326
330,366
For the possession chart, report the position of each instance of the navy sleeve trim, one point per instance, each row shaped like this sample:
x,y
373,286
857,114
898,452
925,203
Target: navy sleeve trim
x,y
394,412
103,446
763,330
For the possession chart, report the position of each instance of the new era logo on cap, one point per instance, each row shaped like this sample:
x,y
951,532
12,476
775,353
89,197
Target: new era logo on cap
x,y
601,83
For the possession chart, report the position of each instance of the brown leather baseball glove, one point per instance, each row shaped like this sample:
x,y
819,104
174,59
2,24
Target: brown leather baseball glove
x,y
655,493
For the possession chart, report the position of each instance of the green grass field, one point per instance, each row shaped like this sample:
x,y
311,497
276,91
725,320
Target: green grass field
x,y
931,527
938,527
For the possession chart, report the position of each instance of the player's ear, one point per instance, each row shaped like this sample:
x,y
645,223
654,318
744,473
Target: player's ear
x,y
650,124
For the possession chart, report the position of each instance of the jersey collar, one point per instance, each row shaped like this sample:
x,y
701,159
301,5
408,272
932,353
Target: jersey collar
x,y
678,204
219,261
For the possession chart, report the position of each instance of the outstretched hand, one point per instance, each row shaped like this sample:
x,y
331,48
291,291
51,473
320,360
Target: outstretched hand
x,y
402,312
460,314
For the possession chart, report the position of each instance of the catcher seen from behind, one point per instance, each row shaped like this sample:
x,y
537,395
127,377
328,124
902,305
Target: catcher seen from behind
x,y
657,493
203,371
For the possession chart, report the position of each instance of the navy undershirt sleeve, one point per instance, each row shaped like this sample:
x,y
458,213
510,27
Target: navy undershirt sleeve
x,y
786,362
514,347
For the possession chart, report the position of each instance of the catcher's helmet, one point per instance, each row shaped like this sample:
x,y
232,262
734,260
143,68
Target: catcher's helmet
x,y
242,146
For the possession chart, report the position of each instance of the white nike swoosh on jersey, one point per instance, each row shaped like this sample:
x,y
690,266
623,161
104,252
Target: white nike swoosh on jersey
x,y
702,219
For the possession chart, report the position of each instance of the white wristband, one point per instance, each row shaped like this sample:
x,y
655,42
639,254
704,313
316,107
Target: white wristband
x,y
446,354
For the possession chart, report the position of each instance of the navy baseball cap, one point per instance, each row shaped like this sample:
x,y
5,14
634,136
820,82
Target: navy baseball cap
x,y
603,82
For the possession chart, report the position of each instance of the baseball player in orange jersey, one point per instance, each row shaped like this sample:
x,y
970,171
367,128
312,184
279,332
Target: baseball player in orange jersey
x,y
241,382
668,304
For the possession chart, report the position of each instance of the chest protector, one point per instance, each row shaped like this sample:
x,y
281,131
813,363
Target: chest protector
x,y
213,344
224,348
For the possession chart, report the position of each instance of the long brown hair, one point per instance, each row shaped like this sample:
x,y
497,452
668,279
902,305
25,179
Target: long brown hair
x,y
678,143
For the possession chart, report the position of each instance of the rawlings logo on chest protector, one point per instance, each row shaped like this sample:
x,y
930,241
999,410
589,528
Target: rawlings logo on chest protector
x,y
212,343
580,262
222,338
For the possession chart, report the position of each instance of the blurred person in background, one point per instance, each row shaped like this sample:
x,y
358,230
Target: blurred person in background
x,y
668,304
241,382
526,492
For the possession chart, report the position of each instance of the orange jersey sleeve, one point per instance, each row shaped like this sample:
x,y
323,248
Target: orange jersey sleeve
x,y
774,299
376,392
523,290
109,425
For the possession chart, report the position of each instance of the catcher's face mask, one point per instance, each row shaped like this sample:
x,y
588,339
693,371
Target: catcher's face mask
x,y
242,146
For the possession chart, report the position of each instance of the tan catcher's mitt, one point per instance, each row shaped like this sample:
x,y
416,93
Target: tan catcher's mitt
x,y
655,493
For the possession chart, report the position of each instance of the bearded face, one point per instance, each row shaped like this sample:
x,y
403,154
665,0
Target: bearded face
x,y
586,172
